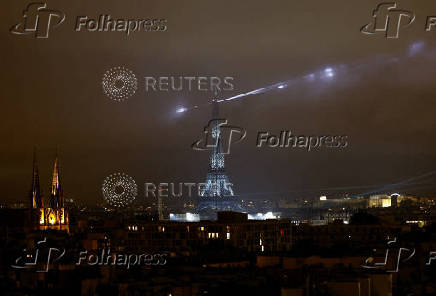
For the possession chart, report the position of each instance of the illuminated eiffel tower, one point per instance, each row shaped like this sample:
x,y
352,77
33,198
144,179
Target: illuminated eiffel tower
x,y
217,194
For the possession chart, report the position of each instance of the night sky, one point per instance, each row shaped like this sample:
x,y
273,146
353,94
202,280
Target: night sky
x,y
383,99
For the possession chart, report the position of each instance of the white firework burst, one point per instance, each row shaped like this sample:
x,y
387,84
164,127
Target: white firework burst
x,y
119,83
119,190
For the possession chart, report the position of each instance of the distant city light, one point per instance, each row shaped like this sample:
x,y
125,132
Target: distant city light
x,y
186,217
261,216
191,217
323,197
386,203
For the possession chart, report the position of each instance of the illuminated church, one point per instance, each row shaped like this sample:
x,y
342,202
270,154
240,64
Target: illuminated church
x,y
48,213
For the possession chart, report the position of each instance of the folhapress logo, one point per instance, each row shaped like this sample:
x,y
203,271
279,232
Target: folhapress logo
x,y
38,20
219,135
388,19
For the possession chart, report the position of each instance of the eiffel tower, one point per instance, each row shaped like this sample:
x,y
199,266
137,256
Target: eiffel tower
x,y
217,194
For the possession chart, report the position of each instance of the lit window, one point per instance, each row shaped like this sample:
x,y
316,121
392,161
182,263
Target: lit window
x,y
51,219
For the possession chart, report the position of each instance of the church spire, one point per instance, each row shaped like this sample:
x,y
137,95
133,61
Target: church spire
x,y
35,191
55,183
56,200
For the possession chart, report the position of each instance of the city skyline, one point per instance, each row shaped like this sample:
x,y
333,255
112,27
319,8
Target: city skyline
x,y
281,148
387,117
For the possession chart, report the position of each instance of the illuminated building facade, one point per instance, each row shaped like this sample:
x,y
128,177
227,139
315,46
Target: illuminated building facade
x,y
51,213
379,201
